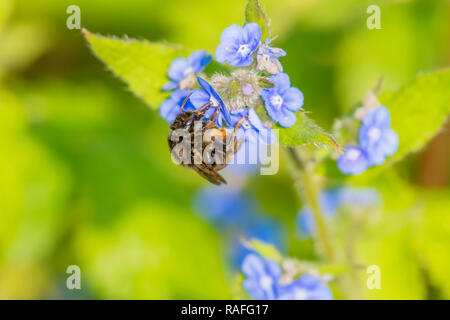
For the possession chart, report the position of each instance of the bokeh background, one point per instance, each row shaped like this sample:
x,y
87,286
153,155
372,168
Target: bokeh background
x,y
86,177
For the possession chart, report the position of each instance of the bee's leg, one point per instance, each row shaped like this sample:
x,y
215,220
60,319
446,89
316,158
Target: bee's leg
x,y
238,124
213,120
204,107
185,101
228,156
236,128
236,143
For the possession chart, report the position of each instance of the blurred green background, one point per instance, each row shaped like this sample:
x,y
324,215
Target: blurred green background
x,y
85,171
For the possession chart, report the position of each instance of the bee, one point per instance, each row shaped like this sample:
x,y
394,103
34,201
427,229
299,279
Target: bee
x,y
210,134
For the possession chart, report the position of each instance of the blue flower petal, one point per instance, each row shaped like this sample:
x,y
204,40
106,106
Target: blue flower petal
x,y
231,34
293,99
307,287
353,161
210,90
277,52
227,53
199,98
253,266
390,142
177,68
267,136
379,117
237,44
170,86
171,107
254,119
287,118
262,277
251,35
198,60
281,81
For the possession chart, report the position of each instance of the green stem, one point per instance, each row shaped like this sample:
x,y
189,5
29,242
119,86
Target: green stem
x,y
311,192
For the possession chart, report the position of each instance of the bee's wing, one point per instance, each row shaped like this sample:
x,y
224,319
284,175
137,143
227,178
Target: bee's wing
x,y
210,175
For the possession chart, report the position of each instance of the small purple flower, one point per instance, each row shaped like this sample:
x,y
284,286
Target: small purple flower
x,y
201,97
247,89
237,44
376,137
262,277
171,107
267,58
282,100
307,287
353,161
182,71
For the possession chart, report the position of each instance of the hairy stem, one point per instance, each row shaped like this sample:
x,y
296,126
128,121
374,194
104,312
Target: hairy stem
x,y
310,192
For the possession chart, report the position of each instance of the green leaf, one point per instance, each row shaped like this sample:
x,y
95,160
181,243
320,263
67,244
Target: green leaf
x,y
141,64
418,111
335,269
264,249
254,13
305,132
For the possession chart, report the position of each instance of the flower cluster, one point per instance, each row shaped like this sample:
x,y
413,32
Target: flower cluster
x,y
255,80
376,142
330,202
263,282
237,216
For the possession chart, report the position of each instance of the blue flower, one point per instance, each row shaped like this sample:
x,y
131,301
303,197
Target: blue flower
x,y
252,130
282,100
207,95
237,44
238,216
226,207
307,287
267,58
170,108
353,161
306,225
259,227
375,136
262,277
182,71
358,197
329,202
254,135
